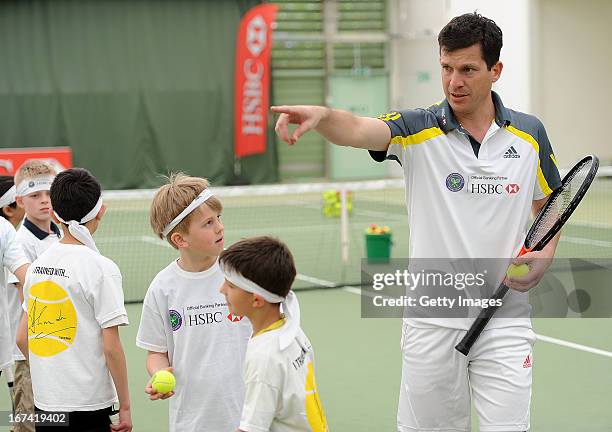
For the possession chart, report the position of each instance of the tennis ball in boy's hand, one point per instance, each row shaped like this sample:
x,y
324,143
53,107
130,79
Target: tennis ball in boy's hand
x,y
163,381
517,270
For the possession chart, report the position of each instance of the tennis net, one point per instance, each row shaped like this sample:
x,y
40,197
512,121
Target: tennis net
x,y
327,247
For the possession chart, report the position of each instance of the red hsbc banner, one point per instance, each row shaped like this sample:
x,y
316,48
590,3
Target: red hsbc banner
x,y
11,159
252,80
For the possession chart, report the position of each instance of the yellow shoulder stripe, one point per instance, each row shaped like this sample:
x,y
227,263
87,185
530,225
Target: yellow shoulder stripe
x,y
417,138
531,140
552,158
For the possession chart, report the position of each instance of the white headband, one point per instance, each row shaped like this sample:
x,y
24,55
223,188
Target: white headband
x,y
8,197
197,202
42,183
290,305
79,231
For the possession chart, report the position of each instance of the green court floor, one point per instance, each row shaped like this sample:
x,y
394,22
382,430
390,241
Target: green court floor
x,y
358,370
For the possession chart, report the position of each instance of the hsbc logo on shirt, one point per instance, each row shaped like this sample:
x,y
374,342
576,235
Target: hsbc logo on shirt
x,y
201,315
493,189
512,188
486,188
203,319
234,318
491,185
208,318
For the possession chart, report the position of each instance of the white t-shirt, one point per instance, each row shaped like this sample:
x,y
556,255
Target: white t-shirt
x,y
34,242
12,258
185,315
281,391
14,311
71,293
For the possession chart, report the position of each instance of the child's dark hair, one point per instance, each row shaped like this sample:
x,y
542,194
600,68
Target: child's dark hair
x,y
74,193
265,260
6,182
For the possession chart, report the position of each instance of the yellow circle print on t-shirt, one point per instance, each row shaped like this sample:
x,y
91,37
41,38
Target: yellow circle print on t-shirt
x,y
52,319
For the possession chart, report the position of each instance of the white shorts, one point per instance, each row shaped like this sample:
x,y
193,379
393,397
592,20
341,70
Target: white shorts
x,y
437,380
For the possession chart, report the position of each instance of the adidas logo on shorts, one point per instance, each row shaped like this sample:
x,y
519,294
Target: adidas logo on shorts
x,y
511,153
527,362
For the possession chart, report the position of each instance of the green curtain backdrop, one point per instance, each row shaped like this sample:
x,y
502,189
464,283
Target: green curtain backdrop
x,y
135,88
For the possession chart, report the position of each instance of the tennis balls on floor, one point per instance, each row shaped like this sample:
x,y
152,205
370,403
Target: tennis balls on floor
x,y
515,271
163,381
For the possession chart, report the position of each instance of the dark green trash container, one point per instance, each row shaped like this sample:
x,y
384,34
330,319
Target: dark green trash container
x,y
378,248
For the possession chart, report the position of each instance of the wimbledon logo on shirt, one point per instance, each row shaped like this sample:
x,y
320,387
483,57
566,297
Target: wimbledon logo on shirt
x,y
176,320
455,182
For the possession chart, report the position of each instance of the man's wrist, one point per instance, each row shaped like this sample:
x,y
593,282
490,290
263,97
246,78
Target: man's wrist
x,y
326,112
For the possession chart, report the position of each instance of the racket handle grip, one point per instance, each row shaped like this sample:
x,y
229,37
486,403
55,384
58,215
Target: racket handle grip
x,y
465,345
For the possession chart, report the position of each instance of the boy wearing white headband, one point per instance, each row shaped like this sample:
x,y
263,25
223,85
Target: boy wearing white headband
x,y
73,298
33,182
281,393
186,326
37,232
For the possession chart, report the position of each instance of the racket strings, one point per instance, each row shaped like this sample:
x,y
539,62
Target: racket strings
x,y
558,205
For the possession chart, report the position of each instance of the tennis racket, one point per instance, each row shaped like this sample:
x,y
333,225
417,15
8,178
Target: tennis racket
x,y
557,210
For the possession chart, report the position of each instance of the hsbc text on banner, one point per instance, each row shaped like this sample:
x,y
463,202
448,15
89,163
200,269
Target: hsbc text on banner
x,y
12,158
252,80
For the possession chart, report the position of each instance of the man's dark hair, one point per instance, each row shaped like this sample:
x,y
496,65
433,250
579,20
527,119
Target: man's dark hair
x,y
469,29
74,193
264,260
6,182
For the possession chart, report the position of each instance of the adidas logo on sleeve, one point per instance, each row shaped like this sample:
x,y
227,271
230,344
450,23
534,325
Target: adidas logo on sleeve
x,y
511,153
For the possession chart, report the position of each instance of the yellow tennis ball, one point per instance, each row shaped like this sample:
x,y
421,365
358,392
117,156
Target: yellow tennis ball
x,y
517,270
163,381
52,319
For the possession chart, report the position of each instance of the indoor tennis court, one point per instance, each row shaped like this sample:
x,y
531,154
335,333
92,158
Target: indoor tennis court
x,y
358,360
141,88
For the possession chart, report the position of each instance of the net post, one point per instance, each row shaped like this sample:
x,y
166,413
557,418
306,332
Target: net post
x,y
344,234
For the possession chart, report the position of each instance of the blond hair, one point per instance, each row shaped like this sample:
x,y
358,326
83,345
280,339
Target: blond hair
x,y
34,168
172,198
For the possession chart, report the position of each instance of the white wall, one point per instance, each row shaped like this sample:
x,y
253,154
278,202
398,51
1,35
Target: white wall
x,y
415,25
415,71
513,19
572,76
557,57
413,53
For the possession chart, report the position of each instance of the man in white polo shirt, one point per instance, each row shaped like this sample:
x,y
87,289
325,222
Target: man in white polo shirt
x,y
474,170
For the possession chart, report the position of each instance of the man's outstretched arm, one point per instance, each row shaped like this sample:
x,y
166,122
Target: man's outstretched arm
x,y
337,126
